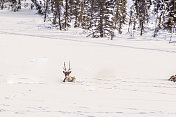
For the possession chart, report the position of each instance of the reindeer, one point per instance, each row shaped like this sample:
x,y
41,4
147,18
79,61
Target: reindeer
x,y
67,73
173,78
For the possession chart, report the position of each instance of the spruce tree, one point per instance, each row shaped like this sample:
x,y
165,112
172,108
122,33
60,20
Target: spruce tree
x,y
120,14
160,11
142,13
2,4
67,17
171,16
102,22
57,14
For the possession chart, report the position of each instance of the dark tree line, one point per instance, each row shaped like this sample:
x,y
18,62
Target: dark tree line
x,y
141,14
100,18
13,5
165,11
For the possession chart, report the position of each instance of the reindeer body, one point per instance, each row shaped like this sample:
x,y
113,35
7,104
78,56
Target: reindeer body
x,y
173,78
67,73
69,79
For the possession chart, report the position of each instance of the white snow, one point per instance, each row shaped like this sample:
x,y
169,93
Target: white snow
x,y
120,78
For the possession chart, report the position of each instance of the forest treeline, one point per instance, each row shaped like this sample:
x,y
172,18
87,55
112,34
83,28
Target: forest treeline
x,y
102,17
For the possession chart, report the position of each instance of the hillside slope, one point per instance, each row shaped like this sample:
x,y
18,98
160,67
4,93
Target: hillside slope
x,y
120,78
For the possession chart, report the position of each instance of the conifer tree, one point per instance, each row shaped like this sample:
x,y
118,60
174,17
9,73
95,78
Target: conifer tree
x,y
142,13
171,16
2,4
132,20
102,24
46,9
76,12
86,16
57,14
15,5
120,14
67,17
160,14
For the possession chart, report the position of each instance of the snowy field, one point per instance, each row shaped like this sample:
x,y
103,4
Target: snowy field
x,y
120,78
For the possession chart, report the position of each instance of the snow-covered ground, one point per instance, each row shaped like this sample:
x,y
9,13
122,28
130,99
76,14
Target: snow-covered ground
x,y
120,78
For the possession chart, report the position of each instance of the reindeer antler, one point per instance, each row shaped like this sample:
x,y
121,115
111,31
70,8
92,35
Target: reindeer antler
x,y
64,67
69,66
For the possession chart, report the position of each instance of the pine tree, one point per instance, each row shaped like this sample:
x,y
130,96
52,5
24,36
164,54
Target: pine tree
x,y
160,11
120,14
67,17
102,23
39,6
142,13
46,9
132,20
57,14
165,12
87,11
2,4
15,5
76,12
171,16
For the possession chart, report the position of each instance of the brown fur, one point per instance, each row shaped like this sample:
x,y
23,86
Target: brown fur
x,y
173,78
68,78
